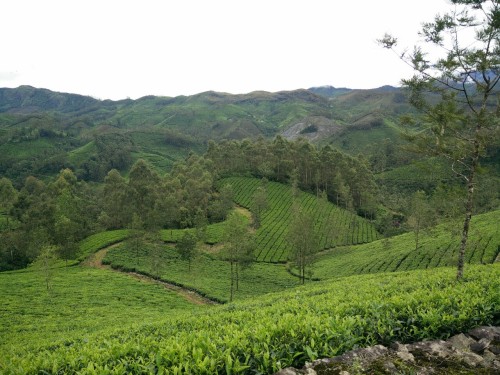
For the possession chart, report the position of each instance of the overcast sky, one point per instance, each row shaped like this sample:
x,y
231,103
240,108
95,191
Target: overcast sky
x,y
116,49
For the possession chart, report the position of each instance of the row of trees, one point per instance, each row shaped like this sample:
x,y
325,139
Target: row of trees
x,y
346,180
183,198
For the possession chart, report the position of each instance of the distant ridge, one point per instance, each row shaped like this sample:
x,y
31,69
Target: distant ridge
x,y
329,91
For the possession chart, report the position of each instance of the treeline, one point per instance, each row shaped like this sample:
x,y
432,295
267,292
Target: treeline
x,y
62,212
347,181
39,215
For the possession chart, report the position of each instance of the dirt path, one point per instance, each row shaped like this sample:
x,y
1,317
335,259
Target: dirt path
x,y
95,261
189,295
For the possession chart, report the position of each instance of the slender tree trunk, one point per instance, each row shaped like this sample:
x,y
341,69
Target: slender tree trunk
x,y
417,230
468,205
237,277
303,269
232,282
468,216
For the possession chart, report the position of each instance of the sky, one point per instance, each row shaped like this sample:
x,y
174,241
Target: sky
x,y
116,49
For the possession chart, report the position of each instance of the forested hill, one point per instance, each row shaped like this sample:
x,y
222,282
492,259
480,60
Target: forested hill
x,y
42,131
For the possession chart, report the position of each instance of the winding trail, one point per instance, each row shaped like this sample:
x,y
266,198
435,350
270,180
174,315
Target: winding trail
x,y
95,261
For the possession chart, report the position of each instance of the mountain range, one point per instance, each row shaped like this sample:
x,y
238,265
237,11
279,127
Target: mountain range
x,y
42,130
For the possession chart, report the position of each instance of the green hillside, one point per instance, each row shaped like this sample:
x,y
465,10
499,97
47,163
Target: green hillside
x,y
436,249
99,321
82,303
335,225
60,129
208,274
264,334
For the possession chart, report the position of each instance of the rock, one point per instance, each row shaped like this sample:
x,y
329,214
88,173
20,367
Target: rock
x,y
288,371
406,356
496,365
495,349
490,333
461,342
489,357
398,347
437,348
478,349
480,346
470,359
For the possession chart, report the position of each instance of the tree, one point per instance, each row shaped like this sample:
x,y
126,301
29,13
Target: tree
x,y
45,262
186,247
115,201
303,240
457,91
136,234
239,246
8,196
421,214
144,193
69,218
156,258
222,203
259,203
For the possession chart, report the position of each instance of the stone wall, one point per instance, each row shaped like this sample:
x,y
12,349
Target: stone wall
x,y
476,352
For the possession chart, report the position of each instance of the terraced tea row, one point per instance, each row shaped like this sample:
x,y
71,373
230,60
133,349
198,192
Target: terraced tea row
x,y
280,330
436,249
335,226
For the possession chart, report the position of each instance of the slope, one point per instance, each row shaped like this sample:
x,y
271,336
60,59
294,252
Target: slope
x,y
281,329
437,248
81,302
335,225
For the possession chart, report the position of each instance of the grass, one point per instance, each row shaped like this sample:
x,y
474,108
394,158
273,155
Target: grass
x,y
99,241
79,155
151,146
213,233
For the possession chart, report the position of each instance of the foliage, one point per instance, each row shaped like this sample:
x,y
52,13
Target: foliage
x,y
346,180
186,247
45,262
210,274
420,215
213,233
335,226
437,248
459,118
60,213
280,330
82,305
302,238
259,203
99,241
239,248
